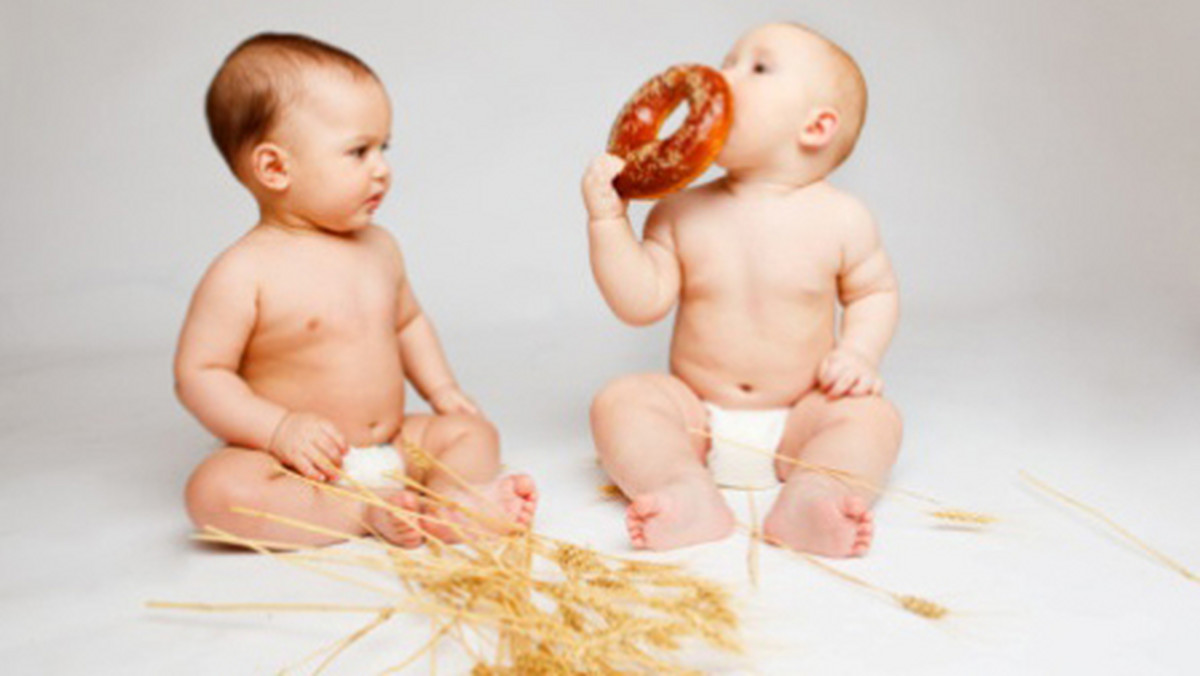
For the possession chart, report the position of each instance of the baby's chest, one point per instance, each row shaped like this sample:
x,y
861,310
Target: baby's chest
x,y
335,303
762,259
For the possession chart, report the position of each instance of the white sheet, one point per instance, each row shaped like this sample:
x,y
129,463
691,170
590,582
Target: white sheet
x,y
95,453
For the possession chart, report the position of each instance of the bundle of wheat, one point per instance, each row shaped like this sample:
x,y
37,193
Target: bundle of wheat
x,y
539,605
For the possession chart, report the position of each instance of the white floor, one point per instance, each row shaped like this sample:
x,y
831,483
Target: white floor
x,y
95,452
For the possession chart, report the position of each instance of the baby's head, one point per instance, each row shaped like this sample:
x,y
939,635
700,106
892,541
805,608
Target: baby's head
x,y
303,125
799,101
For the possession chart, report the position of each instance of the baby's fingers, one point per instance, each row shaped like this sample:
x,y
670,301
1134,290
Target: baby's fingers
x,y
604,169
844,384
864,387
335,437
325,468
306,469
328,450
465,405
831,373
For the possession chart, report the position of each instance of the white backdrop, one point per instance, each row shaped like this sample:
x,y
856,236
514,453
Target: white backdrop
x,y
1034,169
1015,153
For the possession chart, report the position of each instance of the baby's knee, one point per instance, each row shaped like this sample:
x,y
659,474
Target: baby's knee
x,y
883,416
891,414
874,414
618,393
472,428
212,493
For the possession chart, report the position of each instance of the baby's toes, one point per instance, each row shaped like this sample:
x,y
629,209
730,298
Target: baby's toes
x,y
635,524
398,524
522,498
407,536
863,536
855,508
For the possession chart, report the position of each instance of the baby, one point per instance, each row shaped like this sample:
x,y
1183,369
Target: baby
x,y
299,337
758,261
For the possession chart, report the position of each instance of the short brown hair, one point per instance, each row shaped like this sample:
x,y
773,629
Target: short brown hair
x,y
258,77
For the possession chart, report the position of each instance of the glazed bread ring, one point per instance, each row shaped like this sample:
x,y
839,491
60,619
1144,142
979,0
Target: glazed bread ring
x,y
656,166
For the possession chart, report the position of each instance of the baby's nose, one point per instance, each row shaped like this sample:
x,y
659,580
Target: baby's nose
x,y
383,170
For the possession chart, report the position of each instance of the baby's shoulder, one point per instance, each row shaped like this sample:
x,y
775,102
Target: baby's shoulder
x,y
681,205
234,276
382,244
843,211
378,237
839,203
240,260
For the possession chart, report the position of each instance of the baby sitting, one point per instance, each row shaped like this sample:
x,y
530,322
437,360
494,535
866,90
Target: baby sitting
x,y
757,262
300,335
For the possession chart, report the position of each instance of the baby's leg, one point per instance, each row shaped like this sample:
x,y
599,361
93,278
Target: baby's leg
x,y
238,477
815,512
469,449
640,424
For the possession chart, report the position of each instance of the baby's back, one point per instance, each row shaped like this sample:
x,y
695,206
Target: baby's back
x,y
758,291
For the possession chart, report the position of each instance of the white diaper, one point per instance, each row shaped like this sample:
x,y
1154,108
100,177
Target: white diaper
x,y
735,466
371,466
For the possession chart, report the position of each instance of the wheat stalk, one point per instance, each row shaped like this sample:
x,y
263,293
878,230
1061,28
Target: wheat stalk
x,y
849,478
917,605
1130,537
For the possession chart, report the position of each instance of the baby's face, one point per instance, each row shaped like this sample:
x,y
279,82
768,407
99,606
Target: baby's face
x,y
335,136
774,73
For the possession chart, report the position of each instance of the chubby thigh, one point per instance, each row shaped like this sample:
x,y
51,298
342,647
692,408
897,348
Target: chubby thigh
x,y
860,435
654,410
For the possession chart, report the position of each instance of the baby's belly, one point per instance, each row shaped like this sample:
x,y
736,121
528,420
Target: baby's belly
x,y
359,387
736,360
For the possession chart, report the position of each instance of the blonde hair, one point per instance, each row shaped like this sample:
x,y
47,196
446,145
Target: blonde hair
x,y
258,78
848,93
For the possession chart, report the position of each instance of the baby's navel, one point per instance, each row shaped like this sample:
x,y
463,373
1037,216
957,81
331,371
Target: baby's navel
x,y
746,387
312,324
379,431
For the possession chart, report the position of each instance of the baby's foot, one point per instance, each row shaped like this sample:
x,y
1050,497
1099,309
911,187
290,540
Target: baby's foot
x,y
397,525
687,512
827,523
501,506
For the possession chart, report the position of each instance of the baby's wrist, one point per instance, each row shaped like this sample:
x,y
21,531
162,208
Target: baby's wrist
x,y
442,390
273,440
602,219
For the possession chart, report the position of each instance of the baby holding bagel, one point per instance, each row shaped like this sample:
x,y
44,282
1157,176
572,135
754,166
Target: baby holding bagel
x,y
765,386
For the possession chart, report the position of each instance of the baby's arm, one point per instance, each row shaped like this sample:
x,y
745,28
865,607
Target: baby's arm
x,y
870,298
218,326
640,281
421,353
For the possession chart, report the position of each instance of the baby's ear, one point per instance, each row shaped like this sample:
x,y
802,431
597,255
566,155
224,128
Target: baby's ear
x,y
819,128
269,166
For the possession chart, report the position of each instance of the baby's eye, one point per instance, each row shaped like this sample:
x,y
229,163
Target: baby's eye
x,y
359,152
760,68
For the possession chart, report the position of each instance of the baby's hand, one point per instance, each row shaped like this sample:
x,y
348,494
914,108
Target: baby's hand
x,y
599,194
453,400
847,373
309,444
